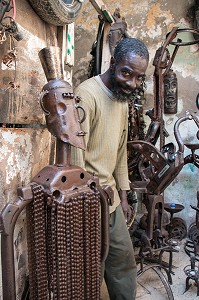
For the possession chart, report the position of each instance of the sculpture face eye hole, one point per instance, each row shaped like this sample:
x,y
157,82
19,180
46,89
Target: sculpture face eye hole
x,y
61,108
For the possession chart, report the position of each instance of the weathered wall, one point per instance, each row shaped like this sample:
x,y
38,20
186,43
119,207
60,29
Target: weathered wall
x,y
150,21
25,143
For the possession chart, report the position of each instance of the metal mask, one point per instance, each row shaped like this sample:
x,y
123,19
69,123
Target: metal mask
x,y
61,112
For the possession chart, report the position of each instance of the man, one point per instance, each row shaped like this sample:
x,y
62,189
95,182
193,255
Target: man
x,y
105,100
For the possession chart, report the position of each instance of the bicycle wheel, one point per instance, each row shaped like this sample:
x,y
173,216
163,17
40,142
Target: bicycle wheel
x,y
152,284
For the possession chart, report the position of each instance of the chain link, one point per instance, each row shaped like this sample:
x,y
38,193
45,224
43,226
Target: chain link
x,y
64,246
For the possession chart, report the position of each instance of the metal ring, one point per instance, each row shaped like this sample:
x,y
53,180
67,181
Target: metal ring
x,y
178,43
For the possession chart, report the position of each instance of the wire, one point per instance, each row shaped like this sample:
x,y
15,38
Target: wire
x,y
14,9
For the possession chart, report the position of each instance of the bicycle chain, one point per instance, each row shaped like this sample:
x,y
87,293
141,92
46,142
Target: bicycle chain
x,y
64,246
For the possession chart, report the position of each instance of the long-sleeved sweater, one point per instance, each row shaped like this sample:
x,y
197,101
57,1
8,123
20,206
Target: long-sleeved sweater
x,y
106,127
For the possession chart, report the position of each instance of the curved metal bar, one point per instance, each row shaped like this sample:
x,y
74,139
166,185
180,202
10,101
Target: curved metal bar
x,y
43,93
177,135
197,101
180,43
169,37
99,48
104,224
9,216
84,113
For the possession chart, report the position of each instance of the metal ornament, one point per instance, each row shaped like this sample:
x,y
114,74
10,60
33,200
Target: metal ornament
x,y
170,93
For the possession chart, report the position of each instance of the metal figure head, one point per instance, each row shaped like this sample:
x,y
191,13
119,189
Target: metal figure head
x,y
60,108
58,101
170,93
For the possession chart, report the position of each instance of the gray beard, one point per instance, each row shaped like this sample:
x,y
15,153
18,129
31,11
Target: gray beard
x,y
119,95
122,97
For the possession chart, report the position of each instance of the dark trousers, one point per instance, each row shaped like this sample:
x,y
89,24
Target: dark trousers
x,y
120,267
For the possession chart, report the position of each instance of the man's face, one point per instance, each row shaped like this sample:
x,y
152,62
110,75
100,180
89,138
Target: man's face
x,y
127,76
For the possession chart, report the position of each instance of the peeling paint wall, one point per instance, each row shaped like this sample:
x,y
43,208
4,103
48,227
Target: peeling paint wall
x,y
23,153
150,21
25,143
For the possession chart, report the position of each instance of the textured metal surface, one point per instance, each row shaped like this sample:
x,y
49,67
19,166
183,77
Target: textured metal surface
x,y
170,93
67,242
60,104
67,216
64,245
61,110
50,58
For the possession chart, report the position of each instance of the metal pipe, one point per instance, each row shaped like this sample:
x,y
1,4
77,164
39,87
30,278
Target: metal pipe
x,y
63,153
104,225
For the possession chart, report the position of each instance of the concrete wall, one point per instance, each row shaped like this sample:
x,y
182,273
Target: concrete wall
x,y
150,21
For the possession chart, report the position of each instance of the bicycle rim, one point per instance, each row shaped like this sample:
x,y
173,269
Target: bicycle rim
x,y
155,291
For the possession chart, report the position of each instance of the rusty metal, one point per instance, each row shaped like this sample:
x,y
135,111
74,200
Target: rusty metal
x,y
177,228
9,58
189,30
67,215
155,255
162,168
9,216
156,130
118,30
66,227
159,171
50,58
170,93
10,28
56,102
162,62
5,6
192,273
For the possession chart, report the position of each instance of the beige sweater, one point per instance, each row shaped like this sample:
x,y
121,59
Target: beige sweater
x,y
106,126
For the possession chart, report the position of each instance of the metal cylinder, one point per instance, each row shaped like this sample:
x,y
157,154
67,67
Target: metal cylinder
x,y
50,58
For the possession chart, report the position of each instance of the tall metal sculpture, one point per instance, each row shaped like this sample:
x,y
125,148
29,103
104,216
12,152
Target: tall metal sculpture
x,y
67,210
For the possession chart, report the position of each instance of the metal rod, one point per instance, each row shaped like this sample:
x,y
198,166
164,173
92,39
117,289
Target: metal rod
x,y
63,153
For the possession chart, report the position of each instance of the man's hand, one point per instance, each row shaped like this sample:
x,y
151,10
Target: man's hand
x,y
125,206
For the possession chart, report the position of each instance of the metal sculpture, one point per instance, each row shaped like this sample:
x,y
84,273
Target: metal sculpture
x,y
67,210
158,168
170,93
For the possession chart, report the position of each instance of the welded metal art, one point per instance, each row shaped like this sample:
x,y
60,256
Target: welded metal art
x,y
170,93
67,211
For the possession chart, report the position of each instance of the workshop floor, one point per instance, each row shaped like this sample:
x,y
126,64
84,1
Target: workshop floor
x,y
151,288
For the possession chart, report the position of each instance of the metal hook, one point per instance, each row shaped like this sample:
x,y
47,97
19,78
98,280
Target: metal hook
x,y
84,113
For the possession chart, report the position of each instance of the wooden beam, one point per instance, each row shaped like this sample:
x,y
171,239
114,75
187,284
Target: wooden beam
x,y
101,9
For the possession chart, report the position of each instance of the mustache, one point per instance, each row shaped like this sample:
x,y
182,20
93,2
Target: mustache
x,y
120,95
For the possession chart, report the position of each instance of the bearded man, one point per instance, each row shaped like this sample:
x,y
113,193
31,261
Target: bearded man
x,y
105,99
